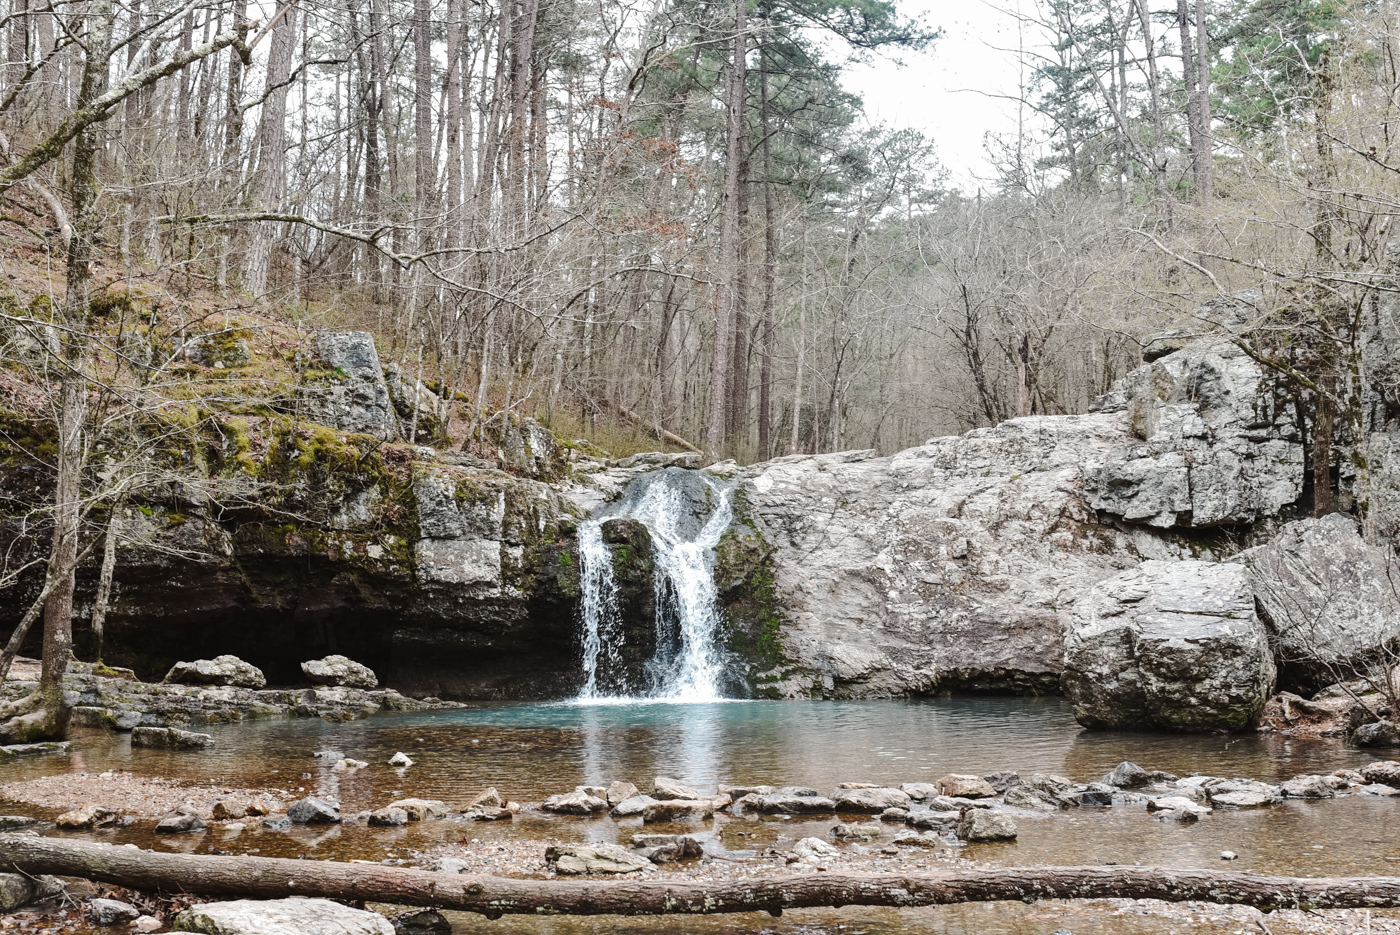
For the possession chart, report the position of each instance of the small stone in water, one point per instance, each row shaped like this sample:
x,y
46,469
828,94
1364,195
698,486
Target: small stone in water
x,y
1228,855
400,760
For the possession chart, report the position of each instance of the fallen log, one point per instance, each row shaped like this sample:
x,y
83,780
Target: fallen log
x,y
276,878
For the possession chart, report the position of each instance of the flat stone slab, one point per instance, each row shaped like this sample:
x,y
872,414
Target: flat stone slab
x,y
293,916
48,748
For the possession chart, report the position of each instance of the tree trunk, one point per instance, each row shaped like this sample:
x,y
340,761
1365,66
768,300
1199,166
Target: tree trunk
x,y
770,263
278,878
727,297
50,720
1322,453
1205,165
1188,80
268,180
1154,88
104,580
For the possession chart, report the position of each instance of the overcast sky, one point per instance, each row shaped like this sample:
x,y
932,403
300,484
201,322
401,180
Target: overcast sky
x,y
938,91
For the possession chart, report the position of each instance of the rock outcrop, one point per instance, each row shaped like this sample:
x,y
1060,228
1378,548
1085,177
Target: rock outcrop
x,y
221,670
345,389
1212,442
1330,601
1173,645
340,671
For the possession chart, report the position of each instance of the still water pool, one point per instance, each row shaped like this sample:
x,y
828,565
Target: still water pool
x,y
529,751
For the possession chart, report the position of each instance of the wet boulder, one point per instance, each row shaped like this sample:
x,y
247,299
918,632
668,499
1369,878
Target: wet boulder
x,y
1033,799
1383,733
388,818
1173,645
421,809
313,811
1127,775
1226,793
678,810
1385,772
111,912
918,791
221,670
871,800
663,788
1308,787
619,792
967,787
339,671
1001,781
170,738
86,818
184,818
421,922
781,803
814,851
577,859
575,803
980,824
1327,597
632,806
295,915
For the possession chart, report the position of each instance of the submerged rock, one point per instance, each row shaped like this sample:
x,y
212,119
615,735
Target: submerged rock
x,y
295,915
400,760
221,670
1173,645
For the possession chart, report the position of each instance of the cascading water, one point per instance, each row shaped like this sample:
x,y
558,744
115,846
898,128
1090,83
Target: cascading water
x,y
601,634
686,513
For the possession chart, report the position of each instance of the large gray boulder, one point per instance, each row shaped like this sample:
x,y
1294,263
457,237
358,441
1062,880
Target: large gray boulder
x,y
341,671
1173,645
345,388
221,670
1328,599
1212,442
295,915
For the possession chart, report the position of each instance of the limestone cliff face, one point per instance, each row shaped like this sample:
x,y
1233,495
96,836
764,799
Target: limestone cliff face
x,y
957,564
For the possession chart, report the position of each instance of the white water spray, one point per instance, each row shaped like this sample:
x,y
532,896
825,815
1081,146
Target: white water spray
x,y
688,663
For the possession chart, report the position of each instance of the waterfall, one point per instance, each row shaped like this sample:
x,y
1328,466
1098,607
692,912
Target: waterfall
x,y
686,513
598,605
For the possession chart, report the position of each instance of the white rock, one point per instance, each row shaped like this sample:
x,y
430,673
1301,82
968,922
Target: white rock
x,y
292,916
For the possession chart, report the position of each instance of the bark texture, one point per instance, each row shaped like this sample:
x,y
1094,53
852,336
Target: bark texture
x,y
275,878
